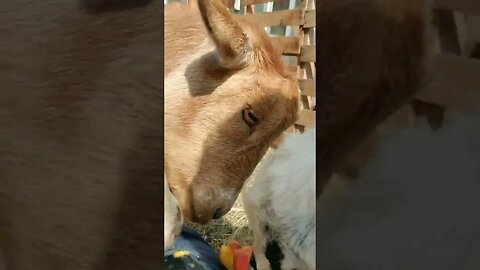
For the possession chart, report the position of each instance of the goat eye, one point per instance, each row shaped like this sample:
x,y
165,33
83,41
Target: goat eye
x,y
249,116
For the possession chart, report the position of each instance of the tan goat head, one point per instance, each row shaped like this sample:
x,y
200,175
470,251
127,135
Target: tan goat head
x,y
227,98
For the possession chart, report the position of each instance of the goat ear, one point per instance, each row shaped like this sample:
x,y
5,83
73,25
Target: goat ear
x,y
229,38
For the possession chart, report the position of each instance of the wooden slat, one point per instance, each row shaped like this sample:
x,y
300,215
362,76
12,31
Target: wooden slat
x,y
455,83
277,18
287,45
309,19
254,2
307,118
466,6
307,87
307,53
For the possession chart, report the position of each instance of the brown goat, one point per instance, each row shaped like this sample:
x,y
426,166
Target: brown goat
x,y
211,144
372,56
81,125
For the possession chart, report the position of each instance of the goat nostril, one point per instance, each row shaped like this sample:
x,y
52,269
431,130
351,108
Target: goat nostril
x,y
218,213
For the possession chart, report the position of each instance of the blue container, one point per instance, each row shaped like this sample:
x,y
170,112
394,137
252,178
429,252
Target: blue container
x,y
201,256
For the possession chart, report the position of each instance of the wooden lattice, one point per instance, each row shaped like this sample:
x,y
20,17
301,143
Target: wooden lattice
x,y
299,44
455,75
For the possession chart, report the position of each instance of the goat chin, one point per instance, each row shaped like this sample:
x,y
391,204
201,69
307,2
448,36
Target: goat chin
x,y
415,206
173,218
279,201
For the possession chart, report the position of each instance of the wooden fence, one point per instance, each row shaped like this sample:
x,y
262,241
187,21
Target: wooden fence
x,y
292,30
455,75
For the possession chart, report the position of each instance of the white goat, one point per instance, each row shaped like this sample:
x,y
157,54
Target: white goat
x,y
416,206
279,201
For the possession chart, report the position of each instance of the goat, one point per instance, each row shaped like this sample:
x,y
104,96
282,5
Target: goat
x,y
173,218
414,206
374,58
279,202
81,114
226,102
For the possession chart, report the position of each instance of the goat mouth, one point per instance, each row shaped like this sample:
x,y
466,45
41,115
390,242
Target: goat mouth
x,y
201,218
193,218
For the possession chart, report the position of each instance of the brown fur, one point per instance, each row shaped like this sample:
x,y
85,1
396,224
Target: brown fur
x,y
81,131
372,61
205,95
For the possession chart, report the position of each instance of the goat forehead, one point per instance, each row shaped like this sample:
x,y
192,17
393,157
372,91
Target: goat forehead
x,y
261,93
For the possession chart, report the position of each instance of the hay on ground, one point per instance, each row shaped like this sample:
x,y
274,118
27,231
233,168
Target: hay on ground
x,y
232,226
